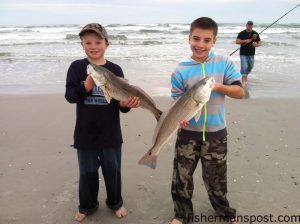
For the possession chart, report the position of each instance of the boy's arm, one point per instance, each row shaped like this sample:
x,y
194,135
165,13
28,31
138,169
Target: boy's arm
x,y
177,84
231,85
122,109
75,90
233,91
75,94
132,102
126,105
178,89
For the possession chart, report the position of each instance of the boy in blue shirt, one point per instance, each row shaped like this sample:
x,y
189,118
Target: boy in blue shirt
x,y
205,140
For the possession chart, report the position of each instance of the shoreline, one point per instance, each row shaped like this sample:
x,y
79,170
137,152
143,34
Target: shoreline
x,y
264,82
39,172
58,92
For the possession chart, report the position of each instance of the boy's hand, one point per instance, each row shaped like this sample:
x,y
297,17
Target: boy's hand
x,y
217,86
89,83
132,102
183,124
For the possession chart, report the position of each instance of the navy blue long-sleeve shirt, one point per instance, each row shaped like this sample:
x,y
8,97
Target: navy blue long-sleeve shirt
x,y
97,121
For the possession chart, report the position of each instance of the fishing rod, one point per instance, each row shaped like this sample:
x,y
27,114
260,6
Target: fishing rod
x,y
268,26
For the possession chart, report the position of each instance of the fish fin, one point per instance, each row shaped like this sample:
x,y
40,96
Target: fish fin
x,y
149,159
197,116
122,79
106,94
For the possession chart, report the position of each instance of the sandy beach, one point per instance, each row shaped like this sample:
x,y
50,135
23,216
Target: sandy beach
x,y
39,172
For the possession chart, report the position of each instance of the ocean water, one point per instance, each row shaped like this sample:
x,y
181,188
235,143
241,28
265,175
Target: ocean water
x,y
35,59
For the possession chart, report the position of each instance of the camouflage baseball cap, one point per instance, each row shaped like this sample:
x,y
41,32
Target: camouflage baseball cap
x,y
95,27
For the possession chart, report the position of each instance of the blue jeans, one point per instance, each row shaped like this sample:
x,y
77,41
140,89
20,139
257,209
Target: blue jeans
x,y
247,63
89,162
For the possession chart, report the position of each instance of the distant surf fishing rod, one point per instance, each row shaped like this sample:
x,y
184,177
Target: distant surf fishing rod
x,y
269,26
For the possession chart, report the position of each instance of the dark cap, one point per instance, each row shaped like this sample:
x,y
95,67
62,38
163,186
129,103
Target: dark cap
x,y
95,27
250,23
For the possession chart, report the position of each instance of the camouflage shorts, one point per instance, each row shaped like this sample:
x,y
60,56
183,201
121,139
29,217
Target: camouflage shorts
x,y
213,156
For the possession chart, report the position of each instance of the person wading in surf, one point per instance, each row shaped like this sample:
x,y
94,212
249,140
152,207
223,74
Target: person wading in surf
x,y
248,39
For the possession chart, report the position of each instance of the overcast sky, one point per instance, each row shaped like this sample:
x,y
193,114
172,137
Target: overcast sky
x,y
52,12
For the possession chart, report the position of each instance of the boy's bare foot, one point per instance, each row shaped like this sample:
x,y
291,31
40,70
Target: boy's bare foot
x,y
79,216
121,212
175,221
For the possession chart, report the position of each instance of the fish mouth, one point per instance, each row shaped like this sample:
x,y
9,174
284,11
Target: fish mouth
x,y
89,69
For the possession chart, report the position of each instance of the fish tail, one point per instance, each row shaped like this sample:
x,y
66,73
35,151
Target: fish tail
x,y
149,159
